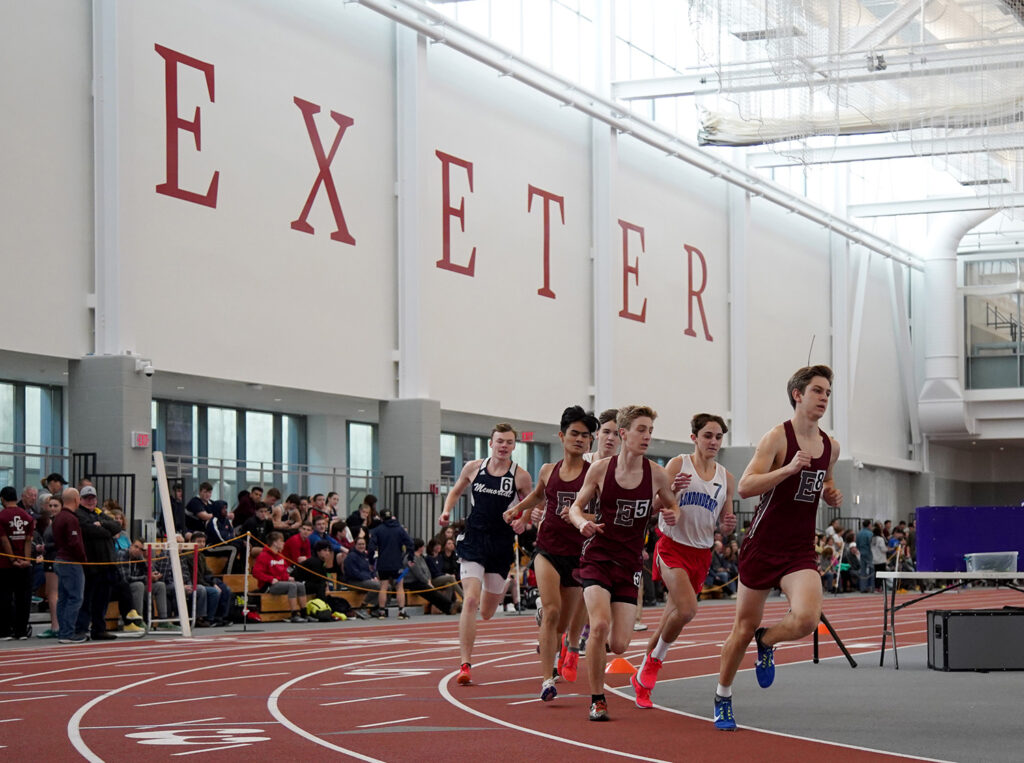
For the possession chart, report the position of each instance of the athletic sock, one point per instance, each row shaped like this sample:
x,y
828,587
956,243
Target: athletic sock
x,y
597,698
724,691
573,649
660,649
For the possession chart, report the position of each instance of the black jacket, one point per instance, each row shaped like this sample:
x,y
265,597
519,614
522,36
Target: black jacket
x,y
392,544
98,531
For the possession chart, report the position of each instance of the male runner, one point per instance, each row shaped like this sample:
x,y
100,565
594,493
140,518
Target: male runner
x,y
486,548
682,556
791,470
558,543
611,564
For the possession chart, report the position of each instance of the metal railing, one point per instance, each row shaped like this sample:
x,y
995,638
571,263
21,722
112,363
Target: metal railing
x,y
22,464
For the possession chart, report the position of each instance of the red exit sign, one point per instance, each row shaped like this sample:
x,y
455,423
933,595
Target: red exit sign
x,y
527,437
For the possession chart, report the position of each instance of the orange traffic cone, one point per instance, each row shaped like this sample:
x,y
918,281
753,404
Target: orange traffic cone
x,y
620,665
822,630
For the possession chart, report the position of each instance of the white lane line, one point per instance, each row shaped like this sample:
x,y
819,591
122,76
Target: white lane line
x,y
10,720
29,699
363,699
442,687
221,680
214,749
185,699
86,678
526,701
390,723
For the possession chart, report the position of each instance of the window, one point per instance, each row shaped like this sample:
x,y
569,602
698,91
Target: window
x,y
362,462
31,433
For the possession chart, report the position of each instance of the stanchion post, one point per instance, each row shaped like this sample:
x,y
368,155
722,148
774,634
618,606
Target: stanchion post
x,y
172,543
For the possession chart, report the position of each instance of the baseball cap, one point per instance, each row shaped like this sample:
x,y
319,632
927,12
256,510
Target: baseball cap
x,y
88,490
55,477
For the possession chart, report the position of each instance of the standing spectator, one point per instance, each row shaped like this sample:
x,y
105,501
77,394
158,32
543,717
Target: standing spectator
x,y
98,531
177,513
360,574
271,571
866,577
879,550
70,555
54,483
16,528
197,511
29,496
44,575
392,546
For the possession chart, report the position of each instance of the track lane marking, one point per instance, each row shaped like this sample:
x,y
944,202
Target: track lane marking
x,y
185,699
221,680
392,722
213,749
29,699
86,678
361,699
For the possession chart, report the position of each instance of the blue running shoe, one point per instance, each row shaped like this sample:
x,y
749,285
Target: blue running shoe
x,y
724,720
548,690
765,667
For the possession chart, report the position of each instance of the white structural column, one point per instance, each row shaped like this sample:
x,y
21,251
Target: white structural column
x,y
904,350
109,337
739,362
603,163
857,321
410,50
842,388
941,402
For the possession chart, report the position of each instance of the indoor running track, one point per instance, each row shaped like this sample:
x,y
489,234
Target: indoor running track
x,y
371,691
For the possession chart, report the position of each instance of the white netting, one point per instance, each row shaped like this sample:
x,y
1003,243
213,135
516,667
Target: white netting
x,y
790,70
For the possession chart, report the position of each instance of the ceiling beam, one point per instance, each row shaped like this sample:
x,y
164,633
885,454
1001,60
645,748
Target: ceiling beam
x,y
901,149
931,206
886,28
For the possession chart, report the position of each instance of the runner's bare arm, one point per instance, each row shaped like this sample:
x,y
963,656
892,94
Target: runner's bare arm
x,y
727,519
766,469
465,477
530,501
591,489
664,496
673,469
831,494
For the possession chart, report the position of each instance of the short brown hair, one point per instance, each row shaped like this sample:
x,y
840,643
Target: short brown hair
x,y
630,413
701,420
802,378
273,493
503,427
272,536
612,414
205,486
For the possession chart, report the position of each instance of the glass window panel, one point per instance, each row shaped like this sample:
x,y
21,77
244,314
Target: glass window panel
x,y
178,437
566,52
537,39
6,413
259,447
222,450
360,461
991,272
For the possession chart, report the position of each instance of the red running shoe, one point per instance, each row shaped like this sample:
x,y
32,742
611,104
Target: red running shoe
x,y
463,678
648,673
643,696
568,669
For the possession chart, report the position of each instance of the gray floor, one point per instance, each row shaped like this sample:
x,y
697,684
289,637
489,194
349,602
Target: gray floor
x,y
961,716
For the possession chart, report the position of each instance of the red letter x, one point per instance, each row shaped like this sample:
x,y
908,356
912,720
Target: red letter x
x,y
324,163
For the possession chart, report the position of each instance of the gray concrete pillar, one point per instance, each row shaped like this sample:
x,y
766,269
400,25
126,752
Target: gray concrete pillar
x,y
410,441
108,399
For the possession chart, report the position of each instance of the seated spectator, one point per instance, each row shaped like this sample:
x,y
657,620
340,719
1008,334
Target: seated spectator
x,y
392,546
304,510
246,508
718,574
318,507
360,575
438,577
450,560
260,527
420,579
286,516
197,510
826,568
297,548
320,533
177,492
340,532
317,569
272,499
122,540
271,572
212,596
129,587
333,499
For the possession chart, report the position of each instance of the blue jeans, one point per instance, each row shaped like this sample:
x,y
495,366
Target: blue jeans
x,y
70,590
866,578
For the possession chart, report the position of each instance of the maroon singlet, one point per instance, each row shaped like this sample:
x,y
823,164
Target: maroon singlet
x,y
624,514
556,535
781,536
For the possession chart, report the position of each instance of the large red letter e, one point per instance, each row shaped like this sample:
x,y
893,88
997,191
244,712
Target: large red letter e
x,y
633,269
448,212
174,123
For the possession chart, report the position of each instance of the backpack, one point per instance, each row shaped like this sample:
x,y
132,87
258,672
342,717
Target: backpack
x,y
319,610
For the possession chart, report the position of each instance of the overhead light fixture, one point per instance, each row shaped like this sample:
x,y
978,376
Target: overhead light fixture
x,y
985,181
775,33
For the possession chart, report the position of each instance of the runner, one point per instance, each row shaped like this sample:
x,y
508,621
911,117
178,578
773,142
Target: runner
x,y
610,566
682,556
486,548
791,470
558,543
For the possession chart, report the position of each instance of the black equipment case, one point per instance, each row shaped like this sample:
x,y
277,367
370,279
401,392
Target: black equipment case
x,y
976,639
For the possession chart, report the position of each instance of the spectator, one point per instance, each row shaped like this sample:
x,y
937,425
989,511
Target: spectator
x,y
271,571
70,555
246,508
320,533
218,533
54,484
286,516
98,531
420,578
304,509
849,565
392,546
122,540
358,519
132,572
834,530
197,511
318,505
333,499
887,530
866,576
449,559
16,528
319,574
297,548
177,513
272,499
825,567
128,590
45,575
260,527
879,552
718,575
359,574
29,496
340,532
163,572
438,577
212,601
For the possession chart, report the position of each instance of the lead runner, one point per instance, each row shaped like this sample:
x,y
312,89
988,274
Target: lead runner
x,y
611,564
791,470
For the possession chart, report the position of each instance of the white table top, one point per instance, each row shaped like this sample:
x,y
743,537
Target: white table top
x,y
923,575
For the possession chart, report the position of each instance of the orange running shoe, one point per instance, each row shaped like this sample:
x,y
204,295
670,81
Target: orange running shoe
x,y
569,667
463,678
648,673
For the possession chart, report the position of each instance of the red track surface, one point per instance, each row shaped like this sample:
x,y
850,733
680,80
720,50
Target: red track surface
x,y
387,693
